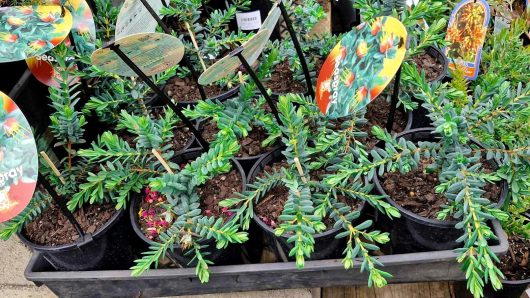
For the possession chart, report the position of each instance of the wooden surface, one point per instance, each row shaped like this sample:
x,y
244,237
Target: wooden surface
x,y
416,290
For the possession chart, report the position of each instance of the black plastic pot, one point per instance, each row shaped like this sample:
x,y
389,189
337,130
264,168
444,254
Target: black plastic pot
x,y
343,16
109,247
225,256
510,289
154,100
405,268
420,114
326,245
425,234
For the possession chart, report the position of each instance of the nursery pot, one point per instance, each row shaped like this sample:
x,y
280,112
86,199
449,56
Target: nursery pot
x,y
420,114
229,255
510,289
414,233
326,245
343,16
110,247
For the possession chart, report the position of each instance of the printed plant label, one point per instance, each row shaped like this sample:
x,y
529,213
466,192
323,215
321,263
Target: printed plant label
x,y
252,48
135,18
360,66
153,53
18,160
28,31
44,66
248,20
272,19
466,32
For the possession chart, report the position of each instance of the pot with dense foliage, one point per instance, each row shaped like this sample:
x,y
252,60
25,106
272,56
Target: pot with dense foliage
x,y
180,216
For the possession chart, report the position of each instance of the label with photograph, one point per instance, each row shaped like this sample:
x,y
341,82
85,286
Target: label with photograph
x,y
135,18
18,160
29,31
466,33
360,66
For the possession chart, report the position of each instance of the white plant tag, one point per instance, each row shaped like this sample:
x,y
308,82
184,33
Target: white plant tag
x,y
248,20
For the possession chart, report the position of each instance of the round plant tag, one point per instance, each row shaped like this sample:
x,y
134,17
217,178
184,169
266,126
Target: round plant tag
x,y
151,52
18,160
135,18
28,31
44,66
360,66
252,48
466,32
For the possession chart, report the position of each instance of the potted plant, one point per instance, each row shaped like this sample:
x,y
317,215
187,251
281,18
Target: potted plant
x,y
465,171
244,117
42,225
197,231
293,206
207,38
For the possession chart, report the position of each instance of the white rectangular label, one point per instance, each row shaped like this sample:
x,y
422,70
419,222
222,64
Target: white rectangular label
x,y
248,20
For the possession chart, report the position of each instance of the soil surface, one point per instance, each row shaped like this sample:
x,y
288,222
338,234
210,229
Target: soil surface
x,y
52,228
186,90
515,264
282,80
414,191
427,63
215,190
249,146
377,114
181,133
271,205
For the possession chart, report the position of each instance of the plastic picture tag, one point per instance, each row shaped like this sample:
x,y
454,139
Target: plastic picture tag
x,y
466,32
28,31
18,160
44,67
360,66
135,18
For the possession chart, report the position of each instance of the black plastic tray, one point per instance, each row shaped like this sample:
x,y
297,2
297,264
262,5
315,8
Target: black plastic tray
x,y
413,267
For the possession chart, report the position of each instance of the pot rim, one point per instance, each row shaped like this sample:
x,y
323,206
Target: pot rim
x,y
76,244
133,214
253,173
420,219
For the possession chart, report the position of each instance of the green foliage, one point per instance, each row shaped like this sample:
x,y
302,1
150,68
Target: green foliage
x,y
190,227
38,203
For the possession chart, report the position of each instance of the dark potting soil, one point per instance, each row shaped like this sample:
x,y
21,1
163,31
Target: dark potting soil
x,y
152,217
282,80
515,264
414,191
429,65
377,114
271,205
51,228
215,190
186,90
181,133
249,146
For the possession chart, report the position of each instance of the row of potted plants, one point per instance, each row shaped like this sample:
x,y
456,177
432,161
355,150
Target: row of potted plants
x,y
309,183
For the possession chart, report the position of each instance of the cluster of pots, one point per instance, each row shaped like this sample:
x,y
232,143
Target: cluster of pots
x,y
116,244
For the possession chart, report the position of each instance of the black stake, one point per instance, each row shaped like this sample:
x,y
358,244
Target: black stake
x,y
116,48
394,101
185,60
298,48
93,7
238,52
60,202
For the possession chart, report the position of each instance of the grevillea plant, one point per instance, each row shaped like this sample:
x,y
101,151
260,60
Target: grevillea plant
x,y
191,228
310,201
